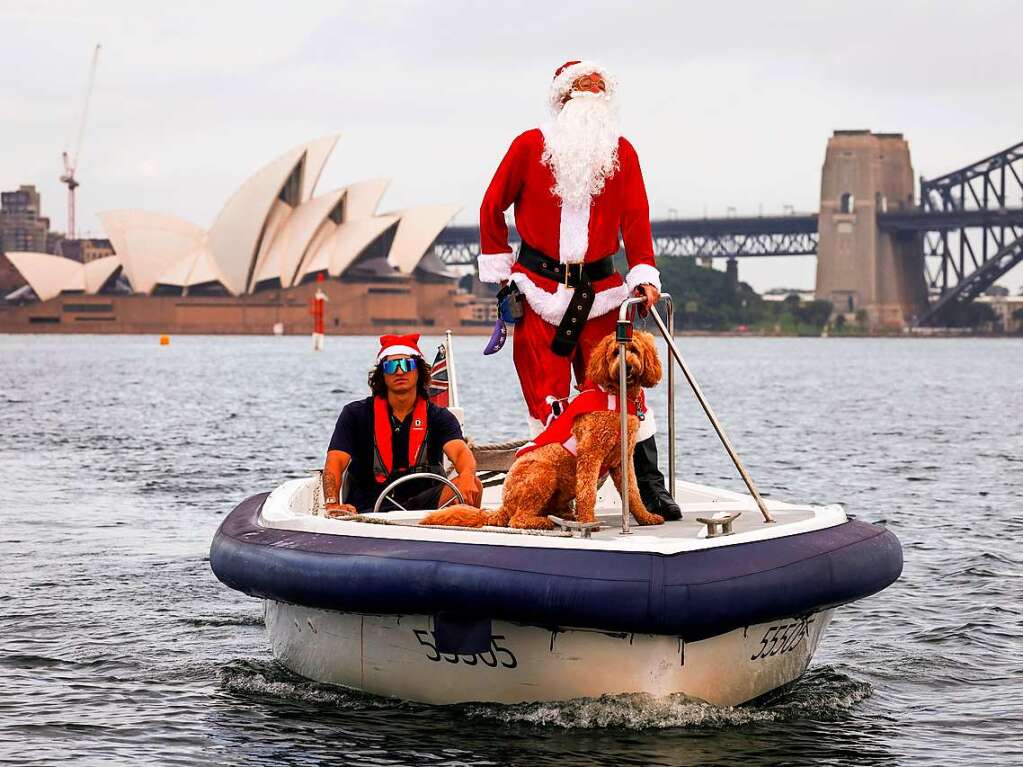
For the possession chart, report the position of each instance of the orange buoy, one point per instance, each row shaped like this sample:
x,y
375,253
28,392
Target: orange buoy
x,y
164,340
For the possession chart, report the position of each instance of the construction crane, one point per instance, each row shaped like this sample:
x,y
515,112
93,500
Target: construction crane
x,y
71,160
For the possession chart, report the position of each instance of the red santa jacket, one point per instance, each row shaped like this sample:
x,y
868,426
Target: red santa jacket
x,y
590,399
565,232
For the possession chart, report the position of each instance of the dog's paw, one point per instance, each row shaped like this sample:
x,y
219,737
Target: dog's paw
x,y
651,519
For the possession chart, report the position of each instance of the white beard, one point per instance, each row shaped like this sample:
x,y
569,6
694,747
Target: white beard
x,y
581,147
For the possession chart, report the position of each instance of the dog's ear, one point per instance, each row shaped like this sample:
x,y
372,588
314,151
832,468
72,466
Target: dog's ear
x,y
651,360
598,370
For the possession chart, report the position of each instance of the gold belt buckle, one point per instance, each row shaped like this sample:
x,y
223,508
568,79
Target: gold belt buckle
x,y
568,271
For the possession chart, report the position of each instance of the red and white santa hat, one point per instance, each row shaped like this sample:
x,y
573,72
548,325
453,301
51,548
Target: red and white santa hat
x,y
407,344
571,71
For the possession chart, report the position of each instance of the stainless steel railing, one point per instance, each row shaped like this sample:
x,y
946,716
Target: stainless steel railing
x,y
623,335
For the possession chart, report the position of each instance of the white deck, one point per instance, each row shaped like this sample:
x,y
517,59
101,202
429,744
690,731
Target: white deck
x,y
295,506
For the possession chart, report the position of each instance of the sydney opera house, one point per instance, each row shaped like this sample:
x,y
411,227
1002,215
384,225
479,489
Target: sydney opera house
x,y
256,267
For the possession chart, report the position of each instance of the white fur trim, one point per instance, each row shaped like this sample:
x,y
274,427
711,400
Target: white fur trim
x,y
399,349
563,82
494,267
551,306
643,274
574,234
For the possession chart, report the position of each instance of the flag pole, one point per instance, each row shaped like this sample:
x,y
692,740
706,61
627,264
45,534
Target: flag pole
x,y
449,352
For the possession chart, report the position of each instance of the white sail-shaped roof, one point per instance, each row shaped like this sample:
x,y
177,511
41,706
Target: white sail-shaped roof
x,y
266,269
177,273
317,154
273,228
149,244
96,273
362,198
49,275
323,234
204,269
335,250
196,268
290,245
418,229
346,243
235,234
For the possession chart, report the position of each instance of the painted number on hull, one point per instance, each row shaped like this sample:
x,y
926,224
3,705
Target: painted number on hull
x,y
783,638
496,655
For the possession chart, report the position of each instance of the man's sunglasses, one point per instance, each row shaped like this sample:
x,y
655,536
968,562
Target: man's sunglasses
x,y
405,365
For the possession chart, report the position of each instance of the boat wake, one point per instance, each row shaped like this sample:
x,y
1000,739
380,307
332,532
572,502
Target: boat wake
x,y
270,680
822,694
226,620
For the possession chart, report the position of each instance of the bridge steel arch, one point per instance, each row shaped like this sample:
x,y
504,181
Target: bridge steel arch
x,y
980,236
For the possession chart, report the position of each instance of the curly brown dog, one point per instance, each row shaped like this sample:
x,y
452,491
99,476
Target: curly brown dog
x,y
544,480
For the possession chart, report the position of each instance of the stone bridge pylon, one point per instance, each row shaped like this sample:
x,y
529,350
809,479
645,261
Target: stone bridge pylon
x,y
861,265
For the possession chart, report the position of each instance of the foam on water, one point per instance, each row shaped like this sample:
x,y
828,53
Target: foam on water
x,y
264,679
822,694
227,620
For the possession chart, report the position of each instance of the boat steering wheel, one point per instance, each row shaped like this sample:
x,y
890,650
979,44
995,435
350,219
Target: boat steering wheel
x,y
385,495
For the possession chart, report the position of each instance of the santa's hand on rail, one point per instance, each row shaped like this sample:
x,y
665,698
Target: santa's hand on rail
x,y
650,293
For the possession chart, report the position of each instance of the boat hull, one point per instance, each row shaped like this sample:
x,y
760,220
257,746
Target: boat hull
x,y
692,594
397,656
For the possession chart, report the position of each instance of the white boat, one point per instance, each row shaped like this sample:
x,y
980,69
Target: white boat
x,y
722,605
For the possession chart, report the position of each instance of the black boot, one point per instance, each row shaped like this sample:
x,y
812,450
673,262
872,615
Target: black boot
x,y
655,495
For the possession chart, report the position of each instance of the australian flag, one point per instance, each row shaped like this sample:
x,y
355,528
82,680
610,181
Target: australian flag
x,y
439,378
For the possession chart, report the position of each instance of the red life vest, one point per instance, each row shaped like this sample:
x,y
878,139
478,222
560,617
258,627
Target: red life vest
x,y
383,434
590,400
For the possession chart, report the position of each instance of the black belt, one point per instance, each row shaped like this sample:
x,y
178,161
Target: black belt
x,y
570,275
578,276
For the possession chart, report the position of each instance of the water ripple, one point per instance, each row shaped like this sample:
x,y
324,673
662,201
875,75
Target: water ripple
x,y
119,646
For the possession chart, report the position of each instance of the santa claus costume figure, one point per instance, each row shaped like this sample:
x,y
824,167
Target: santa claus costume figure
x,y
576,186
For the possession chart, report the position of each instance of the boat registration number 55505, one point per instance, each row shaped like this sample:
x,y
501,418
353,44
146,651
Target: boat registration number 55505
x,y
497,655
783,638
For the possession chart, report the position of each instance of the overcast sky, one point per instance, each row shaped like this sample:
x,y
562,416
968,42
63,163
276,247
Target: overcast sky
x,y
728,104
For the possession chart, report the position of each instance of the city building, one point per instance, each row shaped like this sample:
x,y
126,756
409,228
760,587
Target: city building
x,y
256,266
780,294
22,228
1008,310
85,250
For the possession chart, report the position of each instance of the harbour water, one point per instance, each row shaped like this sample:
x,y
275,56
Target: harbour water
x,y
119,458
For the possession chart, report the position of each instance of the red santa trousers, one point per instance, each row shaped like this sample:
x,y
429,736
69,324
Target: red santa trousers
x,y
542,373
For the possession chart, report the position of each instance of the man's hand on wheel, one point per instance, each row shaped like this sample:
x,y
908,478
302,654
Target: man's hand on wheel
x,y
470,487
337,510
650,293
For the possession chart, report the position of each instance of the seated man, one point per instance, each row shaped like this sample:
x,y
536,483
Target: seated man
x,y
395,432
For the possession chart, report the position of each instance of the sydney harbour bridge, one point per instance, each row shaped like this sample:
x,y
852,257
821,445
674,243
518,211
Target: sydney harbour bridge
x,y
906,254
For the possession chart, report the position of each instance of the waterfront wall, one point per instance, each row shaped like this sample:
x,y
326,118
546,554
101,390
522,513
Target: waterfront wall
x,y
353,308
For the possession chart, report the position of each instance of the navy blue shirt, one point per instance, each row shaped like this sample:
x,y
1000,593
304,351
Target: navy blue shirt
x,y
353,434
